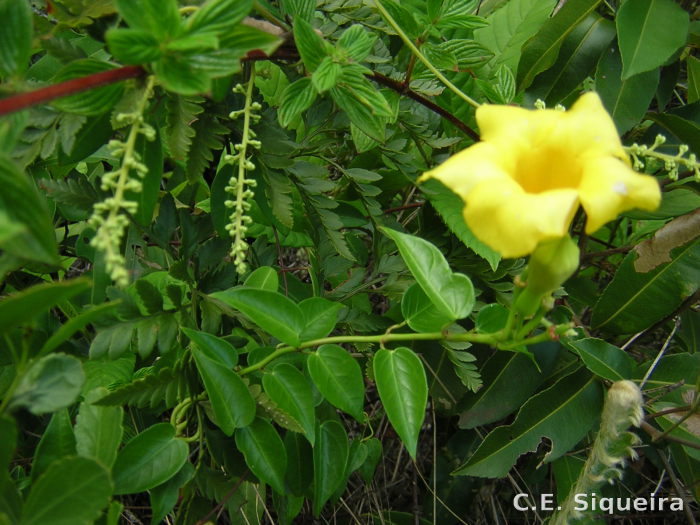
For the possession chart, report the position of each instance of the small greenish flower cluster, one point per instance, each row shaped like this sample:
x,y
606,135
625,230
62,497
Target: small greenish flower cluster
x,y
240,187
671,163
107,218
613,445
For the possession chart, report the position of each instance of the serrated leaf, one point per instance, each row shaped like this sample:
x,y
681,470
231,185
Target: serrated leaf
x,y
278,191
357,42
146,391
403,389
160,17
564,413
208,137
181,114
326,74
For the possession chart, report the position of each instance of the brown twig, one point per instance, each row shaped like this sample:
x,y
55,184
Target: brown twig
x,y
69,87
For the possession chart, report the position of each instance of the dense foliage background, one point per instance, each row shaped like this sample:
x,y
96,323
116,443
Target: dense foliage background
x,y
226,299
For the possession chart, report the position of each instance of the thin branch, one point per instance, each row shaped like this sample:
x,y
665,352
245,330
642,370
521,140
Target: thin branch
x,y
69,87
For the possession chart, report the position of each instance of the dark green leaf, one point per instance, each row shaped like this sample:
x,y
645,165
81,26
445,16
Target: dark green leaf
x,y
152,457
403,389
603,359
358,113
213,347
339,379
420,313
151,152
649,32
98,429
288,387
15,37
57,442
72,491
51,383
230,399
320,317
330,459
264,453
94,101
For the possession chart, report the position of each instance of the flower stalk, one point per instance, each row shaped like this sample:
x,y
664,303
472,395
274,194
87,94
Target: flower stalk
x,y
109,217
671,163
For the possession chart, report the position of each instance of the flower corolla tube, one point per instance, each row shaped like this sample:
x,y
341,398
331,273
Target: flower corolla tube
x,y
523,182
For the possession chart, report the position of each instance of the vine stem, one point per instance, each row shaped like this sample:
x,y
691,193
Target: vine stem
x,y
390,20
493,339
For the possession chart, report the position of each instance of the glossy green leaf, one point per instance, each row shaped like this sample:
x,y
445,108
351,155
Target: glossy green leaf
x,y
356,42
133,46
95,101
72,491
449,206
320,317
33,237
374,454
15,37
326,74
98,429
271,311
451,293
297,98
51,383
264,452
403,389
150,458
230,399
263,278
291,391
300,464
541,51
579,54
687,131
420,313
626,100
213,347
330,459
563,413
24,306
693,66
649,32
603,359
510,379
649,285
491,318
57,442
339,379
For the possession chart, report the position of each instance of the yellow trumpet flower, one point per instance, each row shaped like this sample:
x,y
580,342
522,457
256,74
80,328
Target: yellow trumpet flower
x,y
524,181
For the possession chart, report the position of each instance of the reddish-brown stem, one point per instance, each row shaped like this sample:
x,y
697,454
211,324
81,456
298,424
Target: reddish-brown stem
x,y
69,87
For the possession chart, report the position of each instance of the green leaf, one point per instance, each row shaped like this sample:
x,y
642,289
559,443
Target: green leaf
x,y
264,453
76,324
491,318
693,67
72,491
297,98
449,206
603,359
626,100
164,497
458,14
133,46
451,293
326,75
687,131
213,347
150,458
151,152
218,16
510,27
98,429
338,378
22,307
541,51
288,387
310,44
420,313
230,399
403,389
159,17
320,317
563,413
330,460
653,280
35,240
357,42
57,442
51,383
208,137
649,32
263,278
181,113
299,463
15,37
271,311
510,379
578,57
94,101
302,8
146,391
178,74
358,113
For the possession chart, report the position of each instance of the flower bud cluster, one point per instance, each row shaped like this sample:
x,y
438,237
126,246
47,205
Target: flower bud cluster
x,y
239,186
641,154
109,217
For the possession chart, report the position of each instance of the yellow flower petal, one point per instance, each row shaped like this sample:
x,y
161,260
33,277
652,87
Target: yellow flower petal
x,y
609,187
512,221
478,163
